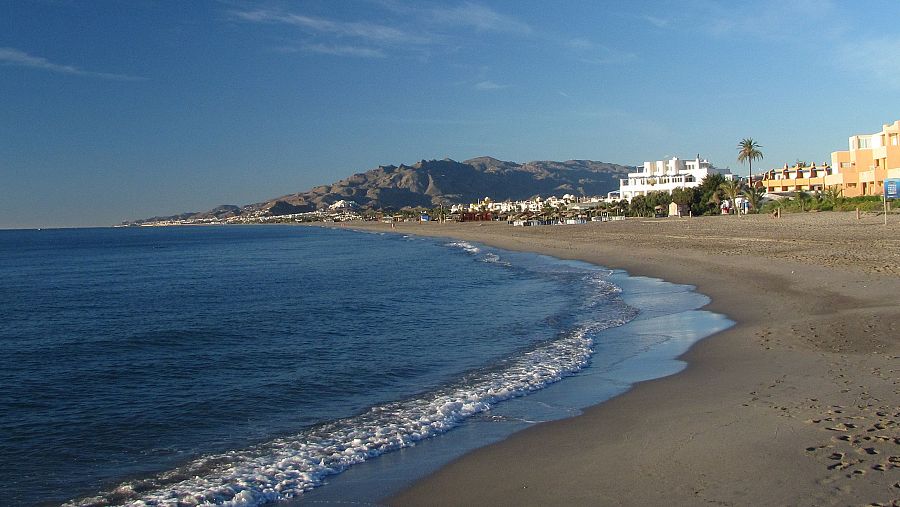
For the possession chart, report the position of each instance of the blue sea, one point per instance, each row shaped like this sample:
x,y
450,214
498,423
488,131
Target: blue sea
x,y
247,365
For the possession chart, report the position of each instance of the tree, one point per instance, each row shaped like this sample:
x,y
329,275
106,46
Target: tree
x,y
802,198
748,150
683,196
731,189
707,196
754,196
547,211
833,195
658,198
638,206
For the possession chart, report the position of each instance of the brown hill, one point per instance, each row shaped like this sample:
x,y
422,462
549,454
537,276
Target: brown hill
x,y
432,182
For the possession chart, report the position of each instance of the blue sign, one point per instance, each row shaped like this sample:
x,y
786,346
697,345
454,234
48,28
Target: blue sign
x,y
892,188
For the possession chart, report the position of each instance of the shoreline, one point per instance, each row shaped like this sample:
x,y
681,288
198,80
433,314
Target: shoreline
x,y
644,346
795,404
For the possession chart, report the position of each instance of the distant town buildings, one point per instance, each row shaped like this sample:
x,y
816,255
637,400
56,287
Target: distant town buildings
x,y
667,175
533,205
343,205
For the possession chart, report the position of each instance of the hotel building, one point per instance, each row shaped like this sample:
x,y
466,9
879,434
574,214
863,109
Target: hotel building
x,y
667,175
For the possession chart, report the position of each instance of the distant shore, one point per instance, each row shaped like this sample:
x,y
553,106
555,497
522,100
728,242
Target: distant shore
x,y
795,405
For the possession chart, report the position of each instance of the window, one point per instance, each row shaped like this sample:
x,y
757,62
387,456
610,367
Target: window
x,y
863,143
895,139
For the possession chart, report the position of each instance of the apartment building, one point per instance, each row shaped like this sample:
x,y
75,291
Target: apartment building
x,y
667,175
861,170
799,178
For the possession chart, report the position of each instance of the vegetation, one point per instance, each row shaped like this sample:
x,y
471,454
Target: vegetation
x,y
825,201
647,205
637,207
731,189
684,196
702,200
749,150
708,195
754,196
834,196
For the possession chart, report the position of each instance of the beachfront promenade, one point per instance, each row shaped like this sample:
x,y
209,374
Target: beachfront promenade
x,y
798,404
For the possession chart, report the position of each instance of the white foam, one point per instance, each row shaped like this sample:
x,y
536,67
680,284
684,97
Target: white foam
x,y
286,467
465,245
493,258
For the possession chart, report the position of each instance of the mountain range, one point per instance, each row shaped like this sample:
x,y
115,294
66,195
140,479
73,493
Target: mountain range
x,y
429,183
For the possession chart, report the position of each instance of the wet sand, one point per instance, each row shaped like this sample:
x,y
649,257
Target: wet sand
x,y
797,404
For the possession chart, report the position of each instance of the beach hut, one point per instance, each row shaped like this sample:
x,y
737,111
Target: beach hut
x,y
678,210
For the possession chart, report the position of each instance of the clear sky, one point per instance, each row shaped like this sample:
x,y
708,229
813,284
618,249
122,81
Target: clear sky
x,y
113,110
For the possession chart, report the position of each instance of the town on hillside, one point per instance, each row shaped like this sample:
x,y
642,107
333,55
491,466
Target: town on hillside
x,y
864,177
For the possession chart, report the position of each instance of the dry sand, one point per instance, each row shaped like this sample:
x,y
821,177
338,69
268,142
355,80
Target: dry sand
x,y
797,404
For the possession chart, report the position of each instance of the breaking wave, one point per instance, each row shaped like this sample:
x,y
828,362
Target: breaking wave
x,y
286,467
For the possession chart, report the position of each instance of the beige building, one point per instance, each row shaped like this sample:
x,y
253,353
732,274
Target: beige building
x,y
871,158
800,178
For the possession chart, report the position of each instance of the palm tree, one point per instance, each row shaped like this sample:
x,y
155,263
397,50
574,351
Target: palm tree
x,y
802,198
833,195
754,196
748,150
731,189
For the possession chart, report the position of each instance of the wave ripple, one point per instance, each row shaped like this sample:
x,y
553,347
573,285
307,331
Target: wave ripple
x,y
286,467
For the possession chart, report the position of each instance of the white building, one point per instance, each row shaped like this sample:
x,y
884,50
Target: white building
x,y
343,205
667,175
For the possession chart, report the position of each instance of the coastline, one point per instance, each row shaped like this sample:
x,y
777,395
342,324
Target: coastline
x,y
659,322
795,404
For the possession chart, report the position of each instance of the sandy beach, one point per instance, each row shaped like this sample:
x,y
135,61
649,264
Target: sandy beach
x,y
797,404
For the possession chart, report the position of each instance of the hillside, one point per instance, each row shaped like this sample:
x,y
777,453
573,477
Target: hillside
x,y
432,182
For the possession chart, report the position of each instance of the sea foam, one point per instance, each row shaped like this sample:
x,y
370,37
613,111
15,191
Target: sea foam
x,y
286,467
468,247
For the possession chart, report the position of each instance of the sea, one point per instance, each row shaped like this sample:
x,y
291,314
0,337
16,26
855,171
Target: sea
x,y
245,365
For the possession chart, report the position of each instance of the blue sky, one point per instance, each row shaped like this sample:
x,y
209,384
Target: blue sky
x,y
113,110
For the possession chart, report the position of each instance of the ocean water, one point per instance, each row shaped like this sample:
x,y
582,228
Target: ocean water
x,y
245,365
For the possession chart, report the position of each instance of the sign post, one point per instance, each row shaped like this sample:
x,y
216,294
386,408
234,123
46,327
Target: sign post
x,y
891,191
